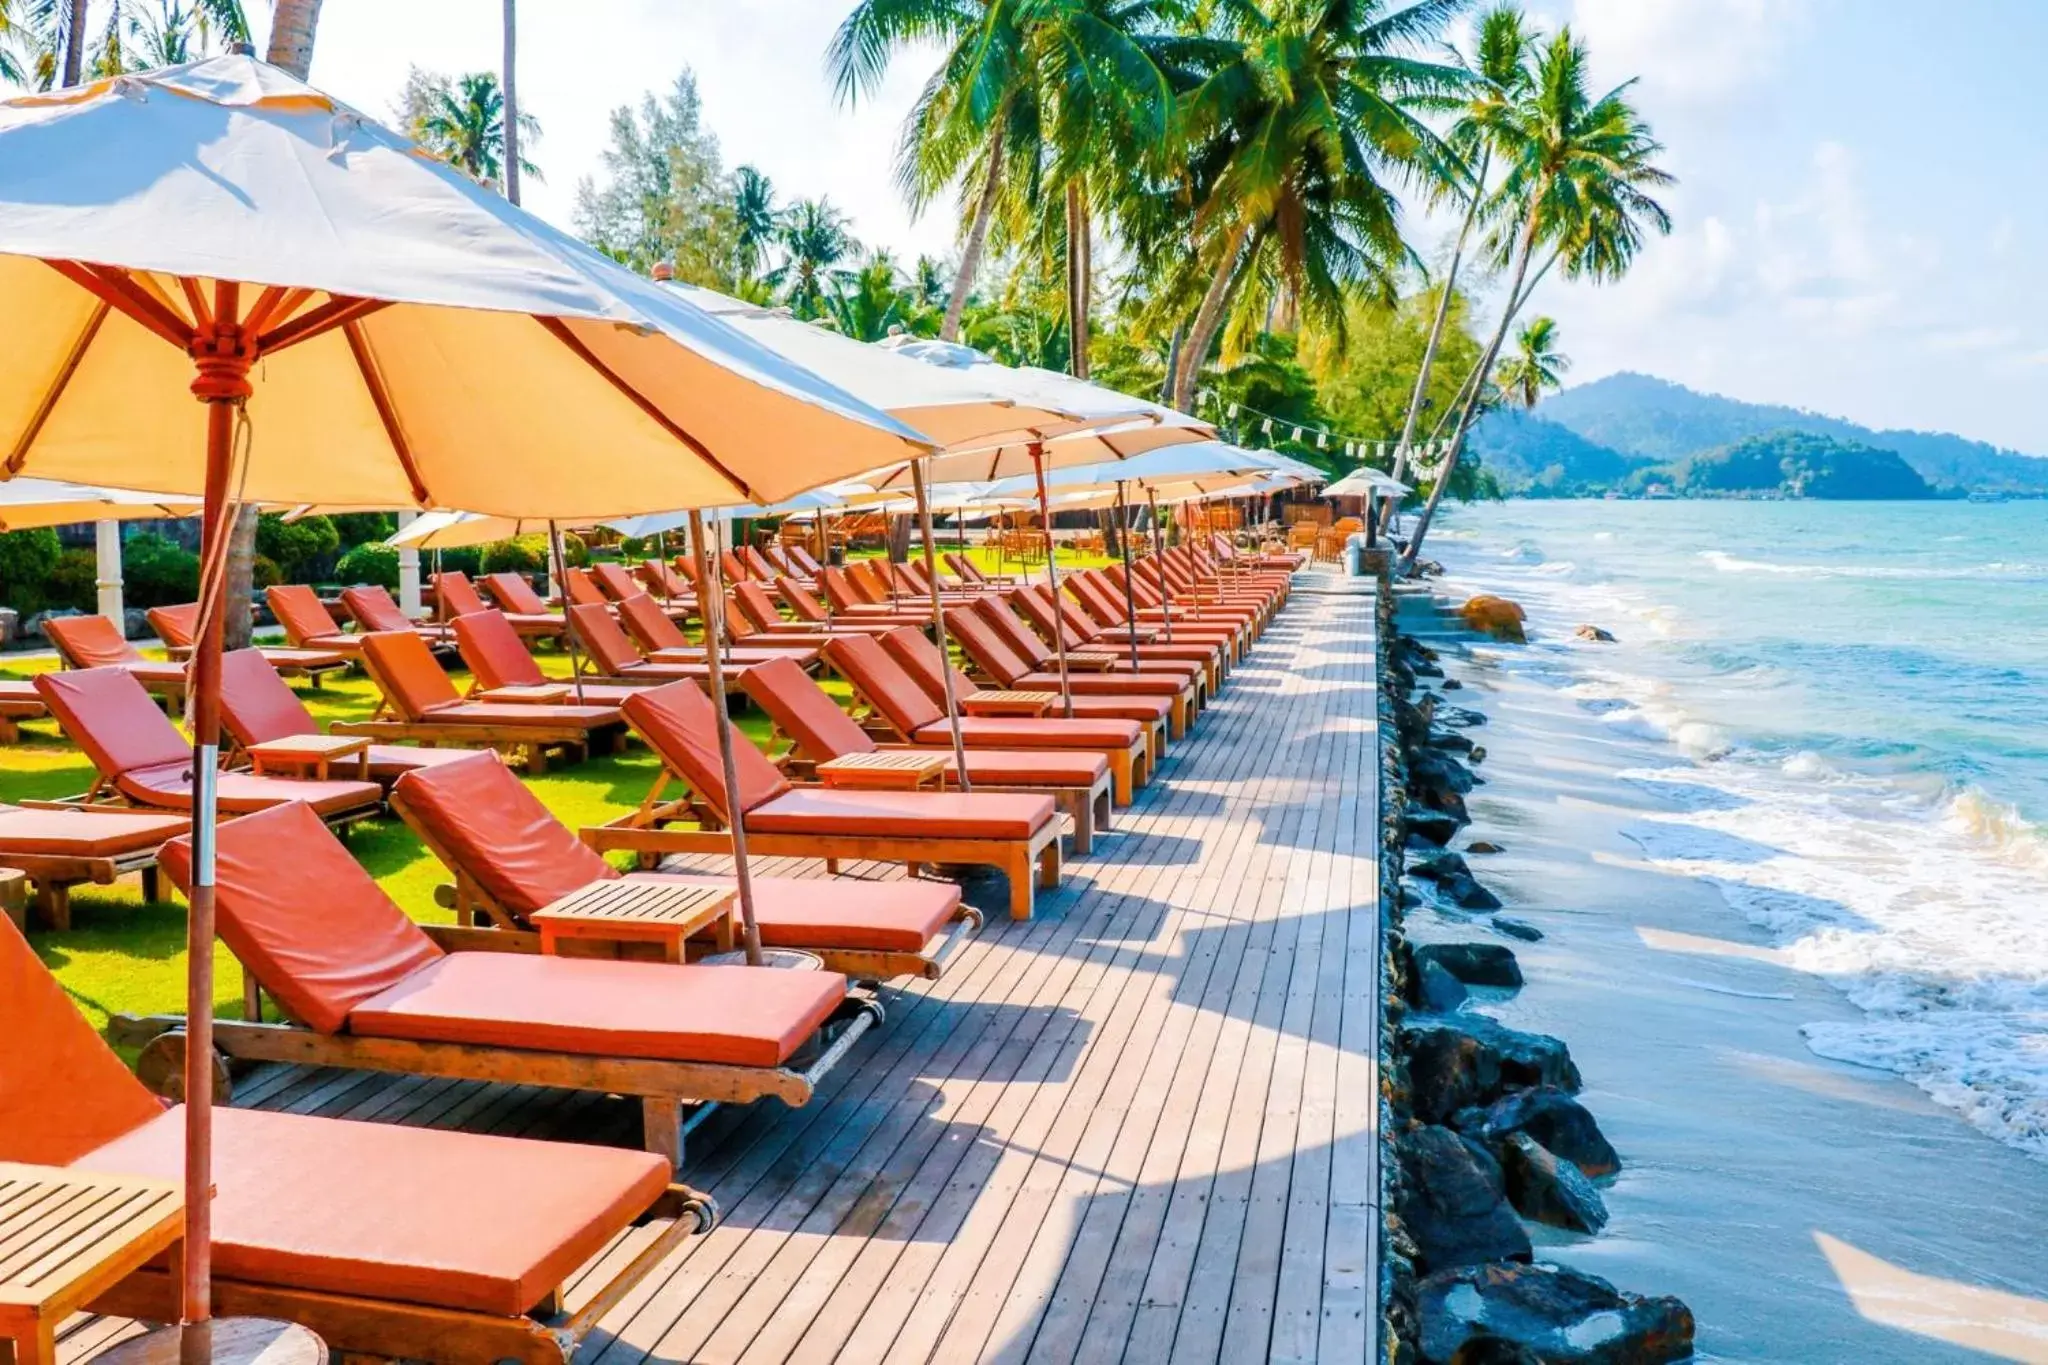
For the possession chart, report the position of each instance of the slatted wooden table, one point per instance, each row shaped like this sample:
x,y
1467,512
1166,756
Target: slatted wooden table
x,y
639,912
884,770
531,694
1090,660
65,1238
317,752
999,702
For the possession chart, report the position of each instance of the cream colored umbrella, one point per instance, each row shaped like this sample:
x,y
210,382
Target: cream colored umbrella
x,y
26,503
361,325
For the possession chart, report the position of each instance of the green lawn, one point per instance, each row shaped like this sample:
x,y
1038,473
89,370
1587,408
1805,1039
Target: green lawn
x,y
122,956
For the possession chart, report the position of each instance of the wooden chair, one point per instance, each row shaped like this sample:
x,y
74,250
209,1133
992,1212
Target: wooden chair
x,y
177,628
95,642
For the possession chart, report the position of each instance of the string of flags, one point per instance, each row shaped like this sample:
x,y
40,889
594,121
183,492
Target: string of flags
x,y
1425,457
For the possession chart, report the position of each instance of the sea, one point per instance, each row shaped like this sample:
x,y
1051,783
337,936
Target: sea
x,y
1849,708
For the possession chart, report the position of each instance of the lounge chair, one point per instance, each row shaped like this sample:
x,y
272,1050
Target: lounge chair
x,y
423,706
734,569
920,658
579,589
900,707
1182,609
178,628
1105,606
785,564
510,857
60,849
612,654
970,573
665,583
142,760
387,1241
813,622
819,731
758,566
1020,835
95,642
365,987
456,596
1000,645
664,643
375,613
307,622
257,707
1195,660
506,672
514,594
848,601
19,701
618,585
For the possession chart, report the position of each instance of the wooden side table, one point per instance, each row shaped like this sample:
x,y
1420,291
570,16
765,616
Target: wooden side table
x,y
885,770
530,694
999,702
1088,661
626,911
298,753
66,1237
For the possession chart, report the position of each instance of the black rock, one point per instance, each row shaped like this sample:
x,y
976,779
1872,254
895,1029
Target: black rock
x,y
1449,741
1494,1351
1594,633
1451,684
1441,772
1475,964
1436,990
1466,891
1410,898
1459,715
1457,1062
1515,928
1439,867
1453,1202
1478,754
1422,668
1445,803
1550,1190
1433,827
1484,846
1553,1118
1562,1316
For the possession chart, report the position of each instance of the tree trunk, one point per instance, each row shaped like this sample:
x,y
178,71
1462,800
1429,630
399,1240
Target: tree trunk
x,y
977,237
292,23
1436,327
1077,281
1207,319
510,81
1524,247
74,47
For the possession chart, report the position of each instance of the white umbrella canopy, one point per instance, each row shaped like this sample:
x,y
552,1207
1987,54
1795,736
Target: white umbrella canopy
x,y
1366,483
657,523
410,327
26,503
1173,464
444,530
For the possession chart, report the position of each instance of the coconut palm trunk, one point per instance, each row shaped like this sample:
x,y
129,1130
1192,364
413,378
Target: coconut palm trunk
x,y
292,24
1077,280
1436,328
74,44
1207,319
977,237
509,82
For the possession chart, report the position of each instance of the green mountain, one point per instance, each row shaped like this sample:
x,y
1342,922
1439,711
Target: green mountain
x,y
1530,457
1795,464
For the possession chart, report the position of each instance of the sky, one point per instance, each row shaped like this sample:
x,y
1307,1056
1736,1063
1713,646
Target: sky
x,y
1861,208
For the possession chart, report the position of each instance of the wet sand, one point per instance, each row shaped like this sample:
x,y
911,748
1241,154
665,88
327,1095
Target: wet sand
x,y
1808,1210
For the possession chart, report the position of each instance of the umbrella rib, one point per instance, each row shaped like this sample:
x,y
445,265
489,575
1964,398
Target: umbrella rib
x,y
266,308
72,359
337,311
195,299
373,380
560,331
115,288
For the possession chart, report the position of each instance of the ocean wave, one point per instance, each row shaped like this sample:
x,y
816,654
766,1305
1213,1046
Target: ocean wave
x,y
1725,562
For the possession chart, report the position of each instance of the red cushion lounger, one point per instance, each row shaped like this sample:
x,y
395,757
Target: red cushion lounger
x,y
306,621
457,596
497,658
655,633
177,627
374,611
93,642
612,654
256,706
60,849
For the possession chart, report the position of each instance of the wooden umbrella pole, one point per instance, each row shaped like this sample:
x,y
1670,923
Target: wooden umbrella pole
x,y
931,573
1052,578
568,631
1123,544
710,586
1159,565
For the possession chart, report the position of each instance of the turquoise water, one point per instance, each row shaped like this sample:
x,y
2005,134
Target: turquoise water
x,y
1856,703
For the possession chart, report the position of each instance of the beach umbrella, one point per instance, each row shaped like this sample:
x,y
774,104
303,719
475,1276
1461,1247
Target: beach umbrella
x,y
361,325
26,503
1366,483
445,530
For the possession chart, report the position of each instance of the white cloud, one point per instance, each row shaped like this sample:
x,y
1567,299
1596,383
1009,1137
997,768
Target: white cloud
x,y
1696,51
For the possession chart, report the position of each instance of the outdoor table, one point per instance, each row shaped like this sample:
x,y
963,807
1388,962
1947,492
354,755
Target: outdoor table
x,y
639,912
66,1237
1090,660
531,694
317,752
884,770
997,702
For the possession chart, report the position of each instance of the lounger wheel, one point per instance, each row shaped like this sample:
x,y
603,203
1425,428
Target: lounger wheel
x,y
704,1209
161,1067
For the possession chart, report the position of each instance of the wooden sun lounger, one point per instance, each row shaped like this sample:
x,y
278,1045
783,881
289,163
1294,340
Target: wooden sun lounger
x,y
455,597
504,671
992,650
1019,835
19,701
306,620
375,613
387,1241
510,857
84,642
177,627
256,708
82,845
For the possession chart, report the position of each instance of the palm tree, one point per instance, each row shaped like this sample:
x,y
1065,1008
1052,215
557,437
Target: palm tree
x,y
464,125
1537,367
49,43
511,117
872,305
292,26
1500,69
756,221
175,35
1310,108
1579,172
815,239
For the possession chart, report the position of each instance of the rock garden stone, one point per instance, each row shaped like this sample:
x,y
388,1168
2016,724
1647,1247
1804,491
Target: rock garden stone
x,y
1550,1190
1453,1202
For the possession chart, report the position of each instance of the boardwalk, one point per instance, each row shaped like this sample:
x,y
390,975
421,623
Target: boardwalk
x,y
1139,1127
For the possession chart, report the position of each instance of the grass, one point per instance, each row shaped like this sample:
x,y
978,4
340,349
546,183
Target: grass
x,y
124,957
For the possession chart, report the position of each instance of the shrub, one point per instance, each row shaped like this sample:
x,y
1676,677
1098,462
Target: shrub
x,y
75,582
27,559
373,562
356,528
296,548
264,572
468,560
158,572
529,554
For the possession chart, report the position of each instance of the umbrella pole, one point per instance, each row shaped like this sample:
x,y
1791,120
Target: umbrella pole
x,y
1165,588
712,612
1052,578
568,631
1123,543
931,573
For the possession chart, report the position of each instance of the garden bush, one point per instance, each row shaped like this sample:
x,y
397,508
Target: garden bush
x,y
300,549
529,554
158,572
27,559
372,562
75,582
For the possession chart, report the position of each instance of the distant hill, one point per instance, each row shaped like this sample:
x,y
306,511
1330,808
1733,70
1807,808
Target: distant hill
x,y
1794,464
1539,459
1654,420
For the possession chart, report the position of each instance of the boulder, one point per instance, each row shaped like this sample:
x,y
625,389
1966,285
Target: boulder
x,y
1475,964
1440,772
1516,928
135,624
1452,685
1478,754
1439,867
1450,741
1494,1351
1495,616
1594,633
1466,892
1553,1118
1549,1190
1484,846
34,624
1459,715
1433,828
1435,990
1562,1316
1457,1062
1453,1202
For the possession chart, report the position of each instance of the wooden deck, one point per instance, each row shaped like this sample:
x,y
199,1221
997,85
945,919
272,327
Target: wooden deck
x,y
1139,1127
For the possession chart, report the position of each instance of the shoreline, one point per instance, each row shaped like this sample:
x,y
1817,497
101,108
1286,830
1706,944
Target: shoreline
x,y
1805,1209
